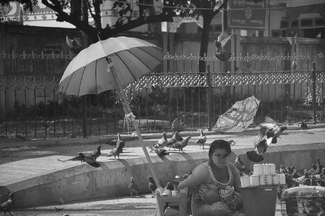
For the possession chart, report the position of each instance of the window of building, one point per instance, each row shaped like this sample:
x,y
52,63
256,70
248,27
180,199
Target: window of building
x,y
306,23
319,21
284,24
295,24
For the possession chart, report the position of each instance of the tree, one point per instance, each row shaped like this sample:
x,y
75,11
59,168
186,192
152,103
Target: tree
x,y
127,19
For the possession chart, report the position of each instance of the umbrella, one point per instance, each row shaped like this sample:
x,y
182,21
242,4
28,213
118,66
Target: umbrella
x,y
87,73
239,116
111,64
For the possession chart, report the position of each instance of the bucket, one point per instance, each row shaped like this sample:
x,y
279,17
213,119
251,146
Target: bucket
x,y
259,201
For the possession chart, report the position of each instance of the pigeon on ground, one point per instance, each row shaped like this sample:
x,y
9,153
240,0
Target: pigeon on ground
x,y
180,145
304,126
89,160
133,187
202,139
6,206
152,185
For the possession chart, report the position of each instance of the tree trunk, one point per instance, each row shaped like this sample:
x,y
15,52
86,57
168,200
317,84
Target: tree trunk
x,y
207,18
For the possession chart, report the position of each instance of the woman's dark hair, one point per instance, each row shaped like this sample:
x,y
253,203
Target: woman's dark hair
x,y
219,144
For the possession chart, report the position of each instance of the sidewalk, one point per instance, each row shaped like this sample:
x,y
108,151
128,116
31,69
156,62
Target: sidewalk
x,y
143,205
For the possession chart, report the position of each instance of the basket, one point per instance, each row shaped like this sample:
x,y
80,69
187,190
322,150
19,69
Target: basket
x,y
303,200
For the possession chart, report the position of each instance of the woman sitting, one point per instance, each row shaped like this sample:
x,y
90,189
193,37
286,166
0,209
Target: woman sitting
x,y
216,183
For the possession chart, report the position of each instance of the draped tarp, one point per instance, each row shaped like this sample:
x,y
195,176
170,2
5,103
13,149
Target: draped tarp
x,y
239,116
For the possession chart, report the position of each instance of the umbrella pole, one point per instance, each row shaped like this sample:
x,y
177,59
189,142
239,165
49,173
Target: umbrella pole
x,y
127,110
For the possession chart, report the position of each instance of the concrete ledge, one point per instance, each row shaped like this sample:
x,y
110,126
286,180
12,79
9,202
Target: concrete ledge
x,y
83,182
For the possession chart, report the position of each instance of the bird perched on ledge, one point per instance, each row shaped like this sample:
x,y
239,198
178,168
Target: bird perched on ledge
x,y
116,142
202,139
95,154
133,187
162,142
89,160
175,138
180,145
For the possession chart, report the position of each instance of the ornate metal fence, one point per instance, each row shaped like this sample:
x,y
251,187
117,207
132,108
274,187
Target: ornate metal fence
x,y
285,96
31,108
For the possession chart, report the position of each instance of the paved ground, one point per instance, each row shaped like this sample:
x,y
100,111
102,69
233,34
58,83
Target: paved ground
x,y
30,159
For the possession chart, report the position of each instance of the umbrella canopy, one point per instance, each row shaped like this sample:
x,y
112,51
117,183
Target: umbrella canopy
x,y
89,73
239,116
111,64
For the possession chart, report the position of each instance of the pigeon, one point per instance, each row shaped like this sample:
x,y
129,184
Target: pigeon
x,y
161,152
256,154
202,139
169,186
152,185
273,127
175,138
6,206
240,165
178,124
161,142
120,144
77,158
180,145
220,44
89,160
319,167
74,44
116,142
115,153
261,144
304,126
133,187
95,154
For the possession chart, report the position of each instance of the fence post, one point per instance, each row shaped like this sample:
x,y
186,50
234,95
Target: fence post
x,y
84,116
314,91
209,97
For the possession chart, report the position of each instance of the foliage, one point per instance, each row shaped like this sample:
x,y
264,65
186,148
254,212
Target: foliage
x,y
127,18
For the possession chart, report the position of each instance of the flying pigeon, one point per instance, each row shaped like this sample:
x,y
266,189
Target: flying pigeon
x,y
220,44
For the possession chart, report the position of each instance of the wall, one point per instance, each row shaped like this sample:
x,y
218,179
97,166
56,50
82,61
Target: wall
x,y
111,180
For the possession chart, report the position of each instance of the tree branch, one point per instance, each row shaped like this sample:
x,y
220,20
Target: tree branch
x,y
62,16
116,29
